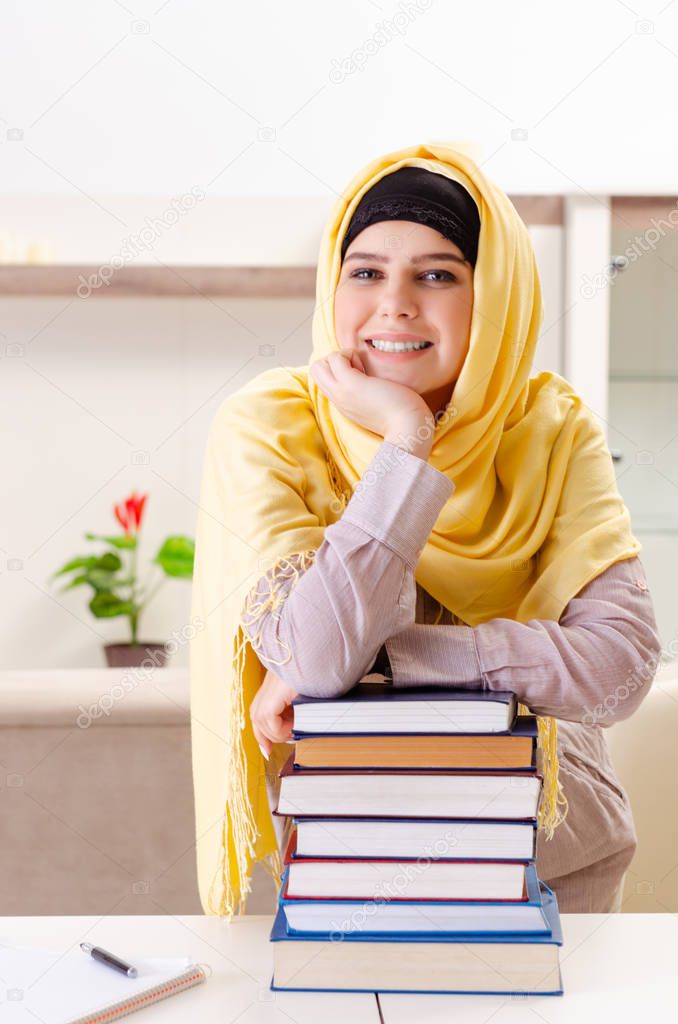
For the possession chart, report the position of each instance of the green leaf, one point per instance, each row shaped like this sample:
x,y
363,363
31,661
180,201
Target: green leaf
x,y
86,562
109,561
77,581
105,605
102,579
128,542
176,557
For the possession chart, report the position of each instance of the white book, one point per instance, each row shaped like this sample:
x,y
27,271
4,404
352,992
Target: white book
x,y
415,880
408,794
410,837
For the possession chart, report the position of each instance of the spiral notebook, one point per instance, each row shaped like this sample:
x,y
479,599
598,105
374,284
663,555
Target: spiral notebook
x,y
73,988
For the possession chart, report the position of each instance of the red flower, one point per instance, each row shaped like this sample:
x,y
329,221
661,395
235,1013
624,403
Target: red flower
x,y
129,514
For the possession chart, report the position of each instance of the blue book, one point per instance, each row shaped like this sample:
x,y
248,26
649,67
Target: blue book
x,y
377,708
469,963
386,911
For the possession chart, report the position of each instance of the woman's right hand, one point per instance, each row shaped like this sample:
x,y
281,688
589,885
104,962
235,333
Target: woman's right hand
x,y
382,406
271,712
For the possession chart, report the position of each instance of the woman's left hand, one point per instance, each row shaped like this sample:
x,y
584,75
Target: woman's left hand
x,y
271,712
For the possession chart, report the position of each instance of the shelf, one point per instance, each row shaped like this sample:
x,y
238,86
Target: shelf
x,y
668,530
235,281
644,378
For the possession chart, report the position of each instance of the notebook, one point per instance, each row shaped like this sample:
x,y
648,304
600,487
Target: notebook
x,y
377,708
73,988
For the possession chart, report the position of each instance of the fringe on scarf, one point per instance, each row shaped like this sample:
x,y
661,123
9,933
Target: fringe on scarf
x,y
238,814
553,807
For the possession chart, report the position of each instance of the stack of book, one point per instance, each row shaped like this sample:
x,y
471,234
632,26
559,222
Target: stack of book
x,y
411,862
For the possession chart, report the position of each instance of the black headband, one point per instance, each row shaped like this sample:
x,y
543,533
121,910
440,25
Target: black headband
x,y
425,197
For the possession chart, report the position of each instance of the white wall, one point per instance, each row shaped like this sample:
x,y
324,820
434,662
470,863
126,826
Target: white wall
x,y
153,98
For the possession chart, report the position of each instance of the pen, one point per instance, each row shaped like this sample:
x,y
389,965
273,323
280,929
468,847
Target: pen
x,y
109,959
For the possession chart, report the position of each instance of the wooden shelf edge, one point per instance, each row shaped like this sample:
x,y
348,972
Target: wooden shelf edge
x,y
98,281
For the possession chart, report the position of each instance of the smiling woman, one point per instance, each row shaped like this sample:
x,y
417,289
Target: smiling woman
x,y
439,503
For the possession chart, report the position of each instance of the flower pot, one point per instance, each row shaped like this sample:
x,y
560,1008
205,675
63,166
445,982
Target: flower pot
x,y
134,655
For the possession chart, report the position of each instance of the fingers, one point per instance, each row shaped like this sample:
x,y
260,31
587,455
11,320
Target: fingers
x,y
270,727
271,713
338,361
263,741
271,730
342,362
255,718
322,369
334,376
356,361
276,727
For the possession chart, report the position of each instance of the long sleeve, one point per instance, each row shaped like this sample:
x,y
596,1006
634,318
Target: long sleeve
x,y
595,665
360,588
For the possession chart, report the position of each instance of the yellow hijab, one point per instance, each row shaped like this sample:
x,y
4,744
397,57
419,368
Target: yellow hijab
x,y
535,515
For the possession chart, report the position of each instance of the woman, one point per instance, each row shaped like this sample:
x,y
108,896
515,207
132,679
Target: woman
x,y
437,510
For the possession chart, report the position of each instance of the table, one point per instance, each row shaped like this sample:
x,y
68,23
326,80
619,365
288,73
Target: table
x,y
614,966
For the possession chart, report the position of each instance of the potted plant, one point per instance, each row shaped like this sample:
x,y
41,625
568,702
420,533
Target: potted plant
x,y
115,583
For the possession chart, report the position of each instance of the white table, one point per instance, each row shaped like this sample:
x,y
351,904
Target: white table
x,y
615,966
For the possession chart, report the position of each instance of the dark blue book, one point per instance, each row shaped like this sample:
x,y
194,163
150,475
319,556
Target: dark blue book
x,y
471,963
377,708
